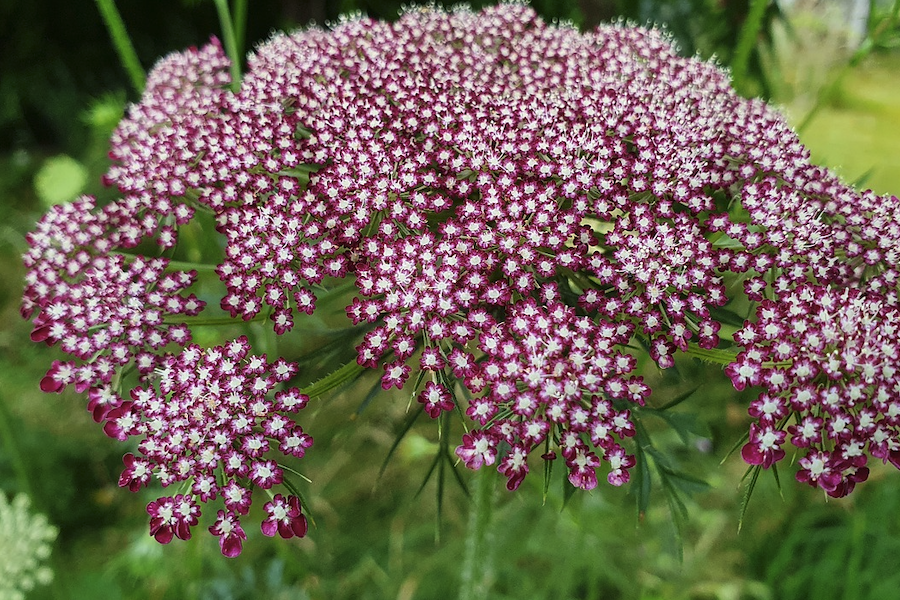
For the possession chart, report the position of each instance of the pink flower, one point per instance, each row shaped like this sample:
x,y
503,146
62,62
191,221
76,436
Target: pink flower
x,y
284,518
764,445
514,465
136,474
619,465
818,469
172,517
436,399
478,448
230,533
582,469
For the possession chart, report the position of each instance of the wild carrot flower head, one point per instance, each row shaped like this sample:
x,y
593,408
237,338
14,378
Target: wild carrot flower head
x,y
26,539
515,204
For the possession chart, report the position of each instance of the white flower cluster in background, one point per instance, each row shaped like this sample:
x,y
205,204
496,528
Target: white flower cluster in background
x,y
26,539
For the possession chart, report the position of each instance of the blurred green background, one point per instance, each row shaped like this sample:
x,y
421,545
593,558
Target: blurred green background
x,y
62,90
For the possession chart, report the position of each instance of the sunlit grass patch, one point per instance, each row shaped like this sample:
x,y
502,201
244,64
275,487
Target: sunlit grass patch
x,y
857,132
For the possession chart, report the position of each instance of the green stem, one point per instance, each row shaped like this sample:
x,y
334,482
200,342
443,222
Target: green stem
x,y
746,41
725,357
476,567
240,24
213,321
172,264
183,265
345,374
721,357
297,473
122,43
231,45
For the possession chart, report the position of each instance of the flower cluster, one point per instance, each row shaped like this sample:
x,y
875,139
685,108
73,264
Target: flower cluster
x,y
209,422
518,206
104,308
517,154
552,374
828,359
26,539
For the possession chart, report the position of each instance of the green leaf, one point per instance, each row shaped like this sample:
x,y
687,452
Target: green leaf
x,y
373,393
723,315
687,483
660,459
643,480
777,480
428,473
679,516
678,399
336,346
568,491
741,441
548,470
745,500
685,424
677,508
439,517
407,425
716,356
747,40
301,173
456,475
723,241
302,169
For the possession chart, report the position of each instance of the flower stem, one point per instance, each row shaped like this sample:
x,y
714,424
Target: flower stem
x,y
231,44
182,265
213,321
721,357
345,374
122,43
179,265
746,41
240,25
476,568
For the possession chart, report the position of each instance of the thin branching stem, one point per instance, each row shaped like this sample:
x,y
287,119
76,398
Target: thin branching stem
x,y
122,43
231,43
239,10
746,41
721,357
476,566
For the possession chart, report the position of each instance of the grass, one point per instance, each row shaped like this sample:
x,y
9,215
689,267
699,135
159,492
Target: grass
x,y
857,133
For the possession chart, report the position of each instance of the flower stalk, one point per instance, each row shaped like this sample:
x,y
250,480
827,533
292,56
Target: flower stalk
x,y
231,36
477,565
747,39
122,43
